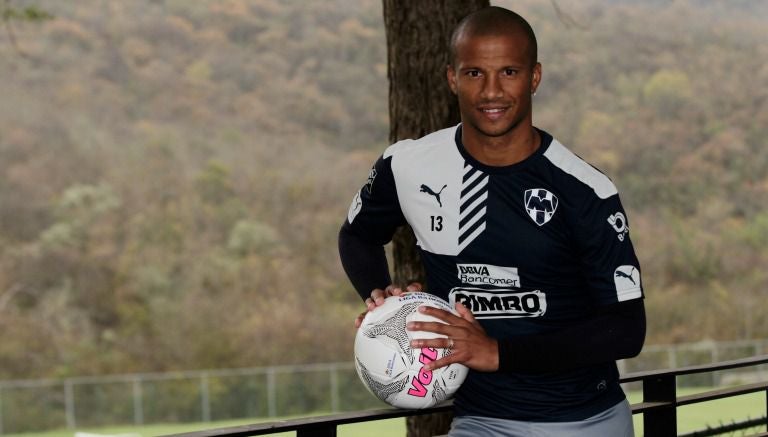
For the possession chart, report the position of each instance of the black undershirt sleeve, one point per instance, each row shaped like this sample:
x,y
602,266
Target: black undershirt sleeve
x,y
365,263
612,333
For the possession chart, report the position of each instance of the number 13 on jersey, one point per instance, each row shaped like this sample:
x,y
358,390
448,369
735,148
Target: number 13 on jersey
x,y
436,223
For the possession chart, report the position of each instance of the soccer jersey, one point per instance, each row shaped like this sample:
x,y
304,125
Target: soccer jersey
x,y
529,248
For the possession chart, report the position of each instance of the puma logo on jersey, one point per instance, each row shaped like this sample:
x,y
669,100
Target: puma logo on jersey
x,y
627,281
540,205
431,192
621,274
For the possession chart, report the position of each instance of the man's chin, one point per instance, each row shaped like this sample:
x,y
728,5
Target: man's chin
x,y
495,131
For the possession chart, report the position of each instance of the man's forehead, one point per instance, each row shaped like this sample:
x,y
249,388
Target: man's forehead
x,y
493,46
471,33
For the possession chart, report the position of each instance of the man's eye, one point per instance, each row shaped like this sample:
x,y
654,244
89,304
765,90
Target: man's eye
x,y
473,73
510,72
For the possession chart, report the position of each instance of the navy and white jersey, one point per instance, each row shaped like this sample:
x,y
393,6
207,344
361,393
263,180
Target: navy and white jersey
x,y
529,248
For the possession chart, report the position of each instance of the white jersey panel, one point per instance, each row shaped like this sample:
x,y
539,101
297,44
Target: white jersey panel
x,y
428,177
568,162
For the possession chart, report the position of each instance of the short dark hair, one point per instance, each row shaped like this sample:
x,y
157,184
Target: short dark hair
x,y
493,20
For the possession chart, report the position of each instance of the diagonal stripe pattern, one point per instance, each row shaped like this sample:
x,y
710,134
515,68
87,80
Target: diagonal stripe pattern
x,y
473,201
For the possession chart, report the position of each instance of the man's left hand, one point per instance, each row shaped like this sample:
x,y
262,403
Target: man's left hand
x,y
464,336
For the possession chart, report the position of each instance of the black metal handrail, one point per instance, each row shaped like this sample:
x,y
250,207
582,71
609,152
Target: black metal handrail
x,y
660,400
658,407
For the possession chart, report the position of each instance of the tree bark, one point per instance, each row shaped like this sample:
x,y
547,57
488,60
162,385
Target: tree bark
x,y
420,102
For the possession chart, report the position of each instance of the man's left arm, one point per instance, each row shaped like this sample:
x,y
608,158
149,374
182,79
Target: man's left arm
x,y
613,332
615,327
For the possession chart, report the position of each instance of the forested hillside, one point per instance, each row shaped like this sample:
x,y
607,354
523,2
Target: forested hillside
x,y
173,173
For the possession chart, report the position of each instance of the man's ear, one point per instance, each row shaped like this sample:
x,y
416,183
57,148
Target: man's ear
x,y
536,79
451,75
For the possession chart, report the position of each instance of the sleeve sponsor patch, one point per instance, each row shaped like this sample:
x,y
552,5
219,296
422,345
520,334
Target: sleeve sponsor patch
x,y
355,207
627,281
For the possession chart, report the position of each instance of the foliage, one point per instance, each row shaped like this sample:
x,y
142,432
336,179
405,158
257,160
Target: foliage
x,y
174,173
29,13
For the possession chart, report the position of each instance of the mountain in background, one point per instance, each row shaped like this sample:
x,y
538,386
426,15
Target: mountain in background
x,y
173,174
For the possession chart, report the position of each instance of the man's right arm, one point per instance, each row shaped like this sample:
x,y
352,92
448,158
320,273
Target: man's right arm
x,y
365,264
371,222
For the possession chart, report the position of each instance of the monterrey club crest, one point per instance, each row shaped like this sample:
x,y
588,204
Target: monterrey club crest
x,y
540,205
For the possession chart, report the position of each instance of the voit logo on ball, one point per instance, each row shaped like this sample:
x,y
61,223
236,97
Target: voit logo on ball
x,y
423,378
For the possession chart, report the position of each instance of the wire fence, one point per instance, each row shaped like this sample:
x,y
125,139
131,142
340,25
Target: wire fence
x,y
263,392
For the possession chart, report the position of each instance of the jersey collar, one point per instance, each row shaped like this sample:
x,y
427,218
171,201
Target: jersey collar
x,y
546,140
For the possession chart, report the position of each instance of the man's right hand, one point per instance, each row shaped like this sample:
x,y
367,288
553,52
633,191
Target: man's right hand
x,y
378,295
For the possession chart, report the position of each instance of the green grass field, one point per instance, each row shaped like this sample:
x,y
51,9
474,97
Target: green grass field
x,y
699,416
390,427
690,418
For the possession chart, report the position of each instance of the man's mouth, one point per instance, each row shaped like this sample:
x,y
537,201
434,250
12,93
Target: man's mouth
x,y
493,113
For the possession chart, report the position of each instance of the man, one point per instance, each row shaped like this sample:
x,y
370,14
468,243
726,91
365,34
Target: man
x,y
526,240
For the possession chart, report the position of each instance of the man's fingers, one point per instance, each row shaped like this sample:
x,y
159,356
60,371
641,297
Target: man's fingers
x,y
359,320
370,304
414,286
436,327
443,315
440,343
465,313
442,362
378,295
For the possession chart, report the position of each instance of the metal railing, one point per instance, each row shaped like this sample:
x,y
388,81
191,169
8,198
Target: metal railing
x,y
275,391
658,407
136,398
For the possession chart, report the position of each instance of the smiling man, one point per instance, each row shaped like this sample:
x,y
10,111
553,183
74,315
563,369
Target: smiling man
x,y
523,240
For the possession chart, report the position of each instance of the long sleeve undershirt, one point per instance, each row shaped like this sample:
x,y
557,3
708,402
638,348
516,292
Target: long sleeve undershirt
x,y
364,263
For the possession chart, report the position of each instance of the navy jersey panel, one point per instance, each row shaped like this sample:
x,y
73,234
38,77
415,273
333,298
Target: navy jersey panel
x,y
529,248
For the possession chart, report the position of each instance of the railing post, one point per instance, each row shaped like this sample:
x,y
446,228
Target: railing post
x,y
672,357
271,395
1,411
205,398
334,388
662,421
69,404
321,430
138,402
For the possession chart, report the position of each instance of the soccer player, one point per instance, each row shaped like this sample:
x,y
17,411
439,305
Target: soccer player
x,y
528,242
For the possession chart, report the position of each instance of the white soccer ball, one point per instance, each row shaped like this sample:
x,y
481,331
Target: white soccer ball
x,y
390,368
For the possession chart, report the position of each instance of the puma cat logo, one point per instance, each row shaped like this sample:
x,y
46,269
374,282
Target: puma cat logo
x,y
620,274
426,189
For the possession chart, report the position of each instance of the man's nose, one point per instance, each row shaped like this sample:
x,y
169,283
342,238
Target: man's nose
x,y
491,88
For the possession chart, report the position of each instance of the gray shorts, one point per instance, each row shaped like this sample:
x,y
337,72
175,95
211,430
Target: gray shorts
x,y
615,422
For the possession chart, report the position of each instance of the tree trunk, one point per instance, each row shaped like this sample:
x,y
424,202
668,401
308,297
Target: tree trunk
x,y
420,102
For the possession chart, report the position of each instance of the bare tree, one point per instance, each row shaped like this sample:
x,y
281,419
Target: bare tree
x,y
420,102
9,13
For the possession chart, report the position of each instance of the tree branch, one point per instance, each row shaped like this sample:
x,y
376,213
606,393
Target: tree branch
x,y
566,19
30,13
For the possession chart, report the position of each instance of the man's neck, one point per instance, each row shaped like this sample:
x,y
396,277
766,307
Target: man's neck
x,y
501,151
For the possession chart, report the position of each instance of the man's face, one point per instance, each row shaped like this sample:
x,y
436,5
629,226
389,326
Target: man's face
x,y
494,80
